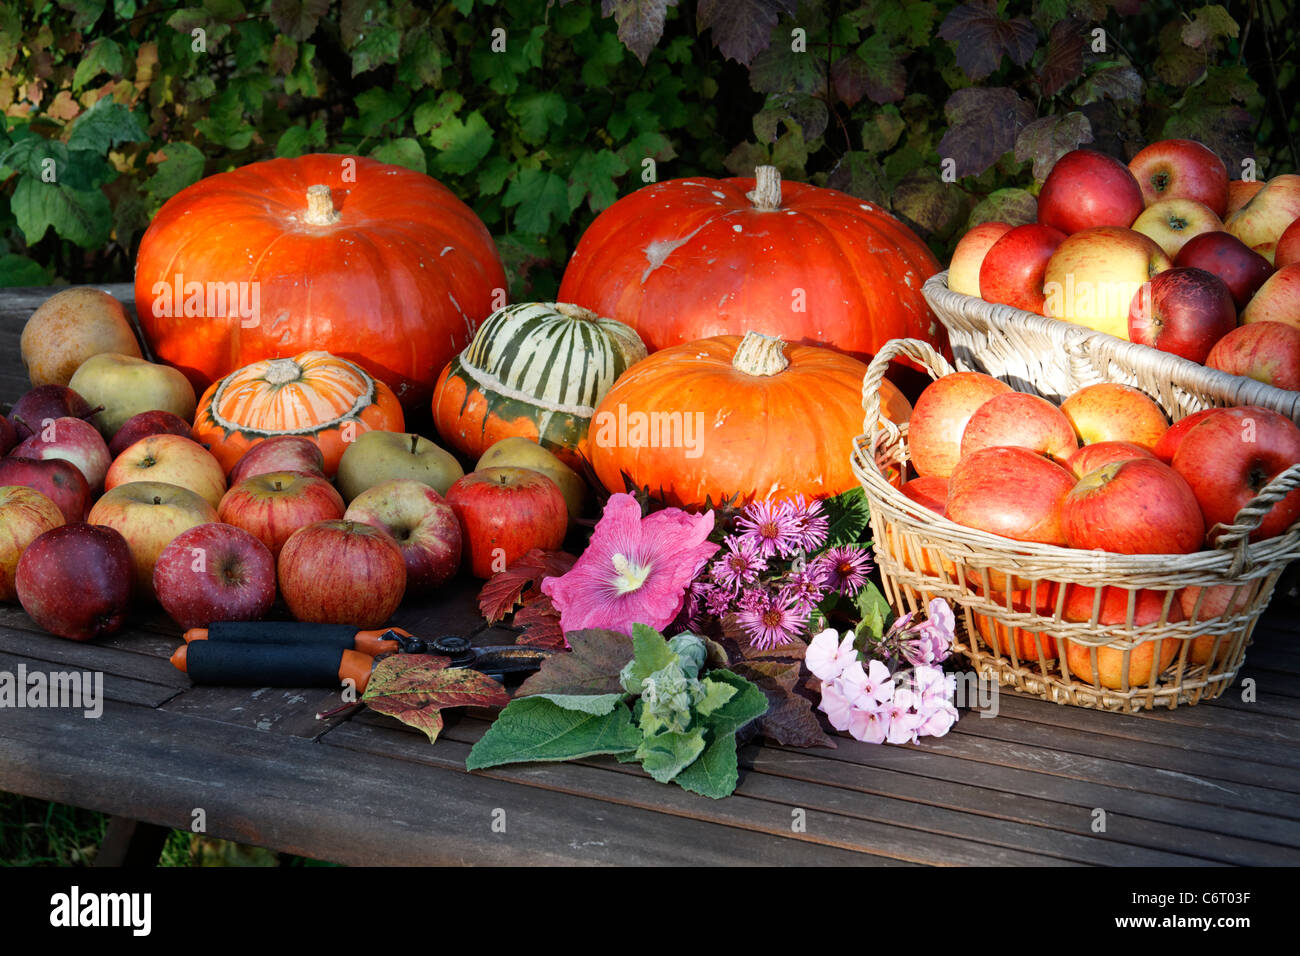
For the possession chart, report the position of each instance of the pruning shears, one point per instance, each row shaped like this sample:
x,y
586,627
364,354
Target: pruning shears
x,y
302,654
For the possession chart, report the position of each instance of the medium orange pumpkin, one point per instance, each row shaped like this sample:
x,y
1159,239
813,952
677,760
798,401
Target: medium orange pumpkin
x,y
690,258
377,264
726,416
319,396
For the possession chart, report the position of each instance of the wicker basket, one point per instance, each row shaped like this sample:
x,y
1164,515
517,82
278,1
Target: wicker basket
x,y
1010,596
1052,358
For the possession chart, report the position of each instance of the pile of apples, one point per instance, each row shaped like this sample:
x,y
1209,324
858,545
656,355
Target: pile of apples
x,y
1106,471
1165,252
108,502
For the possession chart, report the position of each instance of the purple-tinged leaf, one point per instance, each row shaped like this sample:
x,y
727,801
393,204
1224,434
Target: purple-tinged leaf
x,y
982,38
742,28
984,124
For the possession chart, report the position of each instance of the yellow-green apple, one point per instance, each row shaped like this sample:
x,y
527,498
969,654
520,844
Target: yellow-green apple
x,y
504,513
1171,222
1267,213
1038,599
1086,189
421,522
342,572
964,270
940,416
214,572
68,328
72,440
1109,411
1268,352
1168,444
75,581
1227,257
1181,169
519,452
1239,193
1091,457
1230,455
377,456
1288,246
1012,492
1136,506
1277,300
46,402
171,459
273,505
126,385
1022,420
1183,311
154,422
149,514
25,515
1093,275
1012,271
279,453
1113,608
56,479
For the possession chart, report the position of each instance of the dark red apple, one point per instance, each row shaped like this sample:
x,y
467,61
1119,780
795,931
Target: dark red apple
x,y
1135,506
422,524
1168,444
342,572
281,453
8,436
56,479
1183,311
1086,189
504,513
1268,352
75,581
71,439
1012,270
47,401
1223,254
156,422
214,572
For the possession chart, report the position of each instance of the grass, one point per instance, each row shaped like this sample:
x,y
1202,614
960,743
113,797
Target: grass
x,y
39,833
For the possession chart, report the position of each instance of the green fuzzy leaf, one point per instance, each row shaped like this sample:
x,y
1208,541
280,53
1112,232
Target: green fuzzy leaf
x,y
541,197
462,144
533,728
665,755
401,152
748,703
593,176
650,653
83,216
848,516
104,126
104,56
716,694
183,166
596,704
715,772
874,612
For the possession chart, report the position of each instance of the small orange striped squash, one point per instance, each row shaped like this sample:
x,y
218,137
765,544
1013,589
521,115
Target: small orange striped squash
x,y
319,396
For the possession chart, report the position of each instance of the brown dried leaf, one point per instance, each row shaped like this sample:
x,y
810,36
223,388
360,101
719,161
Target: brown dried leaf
x,y
591,666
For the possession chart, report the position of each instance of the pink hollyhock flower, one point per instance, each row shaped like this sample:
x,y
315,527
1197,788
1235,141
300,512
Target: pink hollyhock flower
x,y
635,570
827,656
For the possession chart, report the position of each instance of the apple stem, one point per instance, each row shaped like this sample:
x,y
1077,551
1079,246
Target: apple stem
x,y
415,440
277,484
157,500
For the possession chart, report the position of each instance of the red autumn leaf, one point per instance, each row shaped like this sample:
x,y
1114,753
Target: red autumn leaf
x,y
507,589
416,688
541,623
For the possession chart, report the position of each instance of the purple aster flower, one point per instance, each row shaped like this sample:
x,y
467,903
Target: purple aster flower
x,y
804,588
718,602
809,521
770,527
770,622
845,569
739,565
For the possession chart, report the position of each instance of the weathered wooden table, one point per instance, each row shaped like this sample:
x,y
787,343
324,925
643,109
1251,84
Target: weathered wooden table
x,y
1203,785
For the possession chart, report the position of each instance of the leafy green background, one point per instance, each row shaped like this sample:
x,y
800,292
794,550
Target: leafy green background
x,y
540,113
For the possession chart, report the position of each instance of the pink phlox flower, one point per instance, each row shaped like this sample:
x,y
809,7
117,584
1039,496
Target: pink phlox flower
x,y
869,726
837,704
904,721
827,655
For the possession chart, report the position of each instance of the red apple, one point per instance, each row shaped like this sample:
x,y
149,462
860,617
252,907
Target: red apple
x,y
1109,411
73,440
1138,506
1023,420
964,270
1026,644
1222,600
1148,606
47,401
1181,169
156,422
171,459
1268,213
1183,311
214,572
1277,300
281,453
1168,444
342,572
8,436
504,513
1012,271
56,479
1230,455
1287,251
1240,192
929,491
25,515
75,581
272,506
422,524
1227,257
1092,277
1011,492
1086,189
149,514
1268,352
940,416
1102,453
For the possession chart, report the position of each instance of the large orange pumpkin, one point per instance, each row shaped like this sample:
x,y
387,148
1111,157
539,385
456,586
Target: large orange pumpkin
x,y
692,258
319,396
726,416
374,263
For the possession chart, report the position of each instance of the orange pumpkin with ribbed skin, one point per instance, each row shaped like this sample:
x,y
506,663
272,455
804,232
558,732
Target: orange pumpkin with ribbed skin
x,y
690,258
316,395
727,416
375,263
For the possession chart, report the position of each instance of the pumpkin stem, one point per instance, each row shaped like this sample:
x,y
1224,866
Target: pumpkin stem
x,y
320,206
282,372
571,311
766,194
759,354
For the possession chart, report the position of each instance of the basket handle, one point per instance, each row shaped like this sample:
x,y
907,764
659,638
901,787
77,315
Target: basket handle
x,y
1236,536
923,353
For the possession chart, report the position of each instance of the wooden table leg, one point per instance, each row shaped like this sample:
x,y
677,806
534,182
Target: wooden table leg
x,y
131,843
